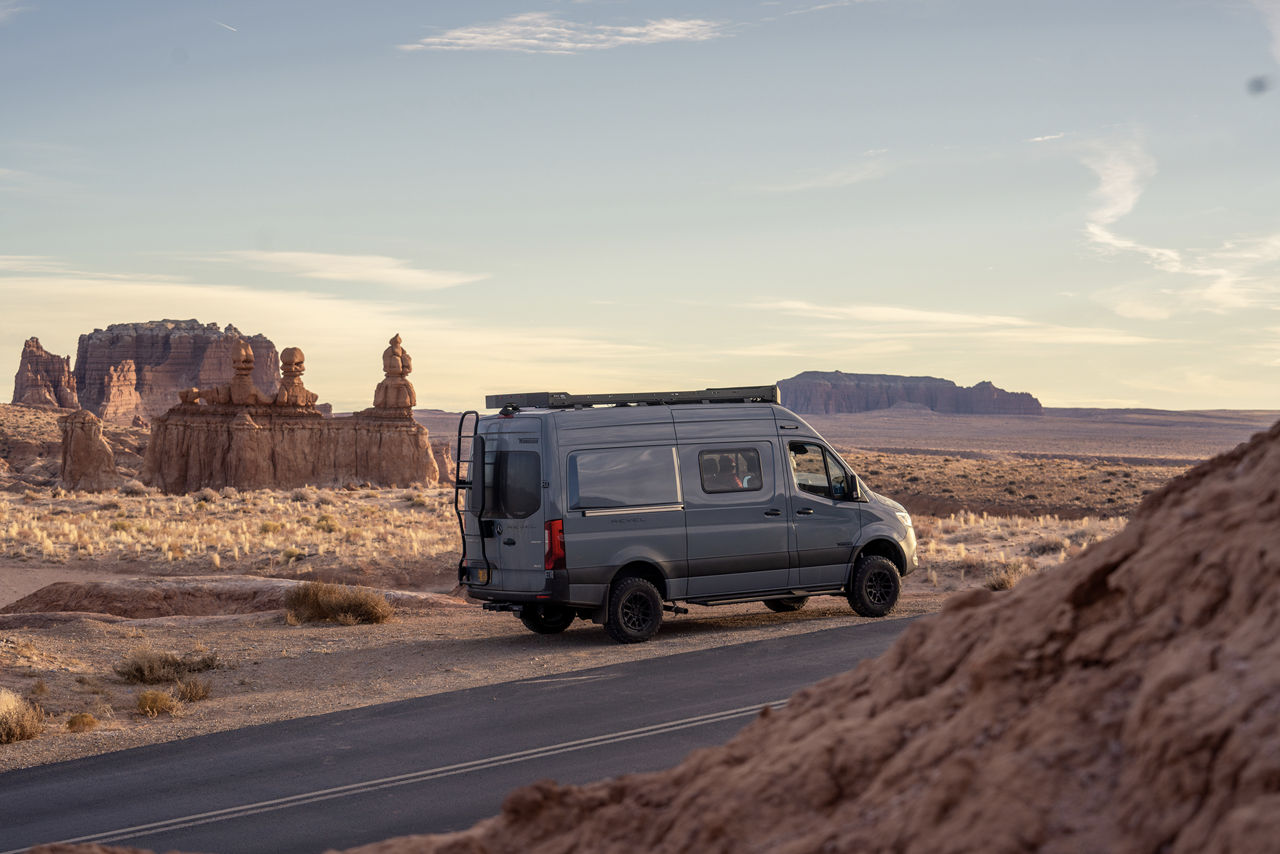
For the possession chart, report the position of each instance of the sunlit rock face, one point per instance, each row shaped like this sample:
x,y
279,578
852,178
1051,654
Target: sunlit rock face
x,y
44,379
832,392
138,369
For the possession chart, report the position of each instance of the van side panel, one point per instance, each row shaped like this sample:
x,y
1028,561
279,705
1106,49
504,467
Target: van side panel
x,y
619,488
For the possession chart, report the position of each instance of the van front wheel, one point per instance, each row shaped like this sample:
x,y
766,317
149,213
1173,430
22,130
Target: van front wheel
x,y
546,619
635,611
874,586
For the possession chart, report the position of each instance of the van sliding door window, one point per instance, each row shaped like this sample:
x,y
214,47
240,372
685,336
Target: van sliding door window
x,y
513,484
730,470
623,477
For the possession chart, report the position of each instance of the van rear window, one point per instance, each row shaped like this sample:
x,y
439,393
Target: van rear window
x,y
623,477
513,484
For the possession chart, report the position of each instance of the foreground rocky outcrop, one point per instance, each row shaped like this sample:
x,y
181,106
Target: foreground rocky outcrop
x,y
138,369
44,379
831,392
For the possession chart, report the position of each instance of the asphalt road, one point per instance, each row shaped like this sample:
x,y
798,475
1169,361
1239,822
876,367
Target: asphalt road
x,y
428,765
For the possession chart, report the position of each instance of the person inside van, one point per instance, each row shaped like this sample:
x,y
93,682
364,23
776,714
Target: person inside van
x,y
728,477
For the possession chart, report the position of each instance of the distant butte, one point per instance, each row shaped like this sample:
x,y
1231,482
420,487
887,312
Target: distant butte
x,y
834,392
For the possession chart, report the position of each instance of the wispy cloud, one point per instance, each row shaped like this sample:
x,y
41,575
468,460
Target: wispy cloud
x,y
1270,11
9,8
544,32
1048,137
871,167
897,323
367,269
1123,170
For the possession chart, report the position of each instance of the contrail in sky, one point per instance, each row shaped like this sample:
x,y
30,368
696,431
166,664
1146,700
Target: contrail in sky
x,y
228,26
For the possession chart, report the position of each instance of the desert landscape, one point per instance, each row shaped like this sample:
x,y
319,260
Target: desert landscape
x,y
91,581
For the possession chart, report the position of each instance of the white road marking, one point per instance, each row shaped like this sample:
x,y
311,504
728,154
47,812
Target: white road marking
x,y
411,777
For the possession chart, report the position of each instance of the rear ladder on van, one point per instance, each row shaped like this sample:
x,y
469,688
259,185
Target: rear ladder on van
x,y
464,482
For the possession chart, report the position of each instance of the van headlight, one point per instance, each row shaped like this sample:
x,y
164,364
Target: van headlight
x,y
904,517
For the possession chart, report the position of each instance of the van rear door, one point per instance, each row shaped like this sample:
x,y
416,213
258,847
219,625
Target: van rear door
x,y
512,520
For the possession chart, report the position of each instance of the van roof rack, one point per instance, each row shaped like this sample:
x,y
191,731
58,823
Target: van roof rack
x,y
563,400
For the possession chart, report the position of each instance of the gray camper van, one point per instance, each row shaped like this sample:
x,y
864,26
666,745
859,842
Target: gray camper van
x,y
616,507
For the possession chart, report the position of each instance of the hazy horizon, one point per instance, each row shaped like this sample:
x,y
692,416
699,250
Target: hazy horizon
x,y
1071,200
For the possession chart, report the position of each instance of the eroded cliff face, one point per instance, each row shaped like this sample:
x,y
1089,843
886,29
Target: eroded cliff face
x,y
270,447
832,392
44,379
138,369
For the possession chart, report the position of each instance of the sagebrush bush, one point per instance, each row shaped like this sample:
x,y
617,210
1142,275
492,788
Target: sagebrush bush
x,y
193,689
207,495
1047,545
133,487
1006,574
19,720
153,703
318,601
82,722
151,667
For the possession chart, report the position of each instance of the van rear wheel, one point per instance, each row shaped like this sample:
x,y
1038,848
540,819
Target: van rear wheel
x,y
546,619
635,611
787,605
874,587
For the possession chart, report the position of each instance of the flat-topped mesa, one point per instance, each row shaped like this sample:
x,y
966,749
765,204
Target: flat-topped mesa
x,y
232,435
166,357
44,379
833,392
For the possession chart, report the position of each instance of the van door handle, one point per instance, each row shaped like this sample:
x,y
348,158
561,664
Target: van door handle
x,y
508,542
772,512
807,511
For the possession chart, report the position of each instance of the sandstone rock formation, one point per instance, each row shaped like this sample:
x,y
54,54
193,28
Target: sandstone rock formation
x,y
44,379
830,392
1125,702
167,356
442,450
395,392
236,437
87,460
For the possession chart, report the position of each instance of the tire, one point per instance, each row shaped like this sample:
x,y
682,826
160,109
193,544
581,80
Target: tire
x,y
874,587
787,605
547,619
635,611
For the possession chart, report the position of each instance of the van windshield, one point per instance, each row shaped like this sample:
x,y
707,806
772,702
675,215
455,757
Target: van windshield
x,y
513,484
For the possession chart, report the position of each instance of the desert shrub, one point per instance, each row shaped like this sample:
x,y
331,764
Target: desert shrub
x,y
418,501
324,498
317,601
193,689
19,720
1046,545
1005,574
82,722
207,495
133,487
291,554
150,667
325,523
40,688
154,703
303,494
268,527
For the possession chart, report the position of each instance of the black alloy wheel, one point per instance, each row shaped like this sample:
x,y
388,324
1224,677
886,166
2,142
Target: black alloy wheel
x,y
635,611
874,588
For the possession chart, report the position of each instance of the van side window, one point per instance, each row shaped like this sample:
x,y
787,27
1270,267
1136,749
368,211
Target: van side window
x,y
730,470
513,483
623,477
818,472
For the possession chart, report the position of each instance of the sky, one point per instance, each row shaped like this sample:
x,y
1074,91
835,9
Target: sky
x,y
1078,199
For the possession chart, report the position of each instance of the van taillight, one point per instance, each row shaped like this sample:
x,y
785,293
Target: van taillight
x,y
554,542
